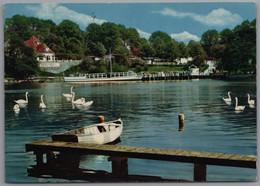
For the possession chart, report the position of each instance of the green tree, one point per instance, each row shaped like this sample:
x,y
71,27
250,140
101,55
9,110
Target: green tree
x,y
146,50
19,26
97,49
209,39
158,41
132,38
110,36
93,33
226,36
184,52
171,51
20,60
195,49
239,54
121,55
72,39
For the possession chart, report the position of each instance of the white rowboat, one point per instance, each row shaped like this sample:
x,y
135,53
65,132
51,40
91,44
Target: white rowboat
x,y
101,133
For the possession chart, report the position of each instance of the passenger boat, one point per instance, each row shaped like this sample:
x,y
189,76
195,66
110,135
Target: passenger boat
x,y
97,77
102,133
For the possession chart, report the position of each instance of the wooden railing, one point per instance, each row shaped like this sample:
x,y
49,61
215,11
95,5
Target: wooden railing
x,y
119,154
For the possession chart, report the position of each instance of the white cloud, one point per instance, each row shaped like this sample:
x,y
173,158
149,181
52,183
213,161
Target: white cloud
x,y
143,34
58,13
185,36
217,17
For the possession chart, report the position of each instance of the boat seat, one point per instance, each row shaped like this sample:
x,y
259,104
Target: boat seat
x,y
106,127
86,131
94,130
112,127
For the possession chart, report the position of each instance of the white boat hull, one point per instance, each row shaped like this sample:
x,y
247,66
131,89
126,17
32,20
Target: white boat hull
x,y
101,133
99,77
84,79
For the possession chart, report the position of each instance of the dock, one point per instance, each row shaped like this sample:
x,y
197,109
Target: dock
x,y
57,159
178,75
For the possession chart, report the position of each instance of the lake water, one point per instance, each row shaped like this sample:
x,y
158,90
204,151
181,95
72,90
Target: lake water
x,y
149,111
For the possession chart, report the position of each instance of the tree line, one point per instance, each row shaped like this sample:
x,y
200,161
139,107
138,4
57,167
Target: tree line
x,y
234,50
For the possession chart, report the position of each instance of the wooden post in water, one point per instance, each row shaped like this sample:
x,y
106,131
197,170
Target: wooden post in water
x,y
181,122
101,119
119,166
200,172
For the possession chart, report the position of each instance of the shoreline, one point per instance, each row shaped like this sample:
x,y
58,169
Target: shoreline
x,y
154,77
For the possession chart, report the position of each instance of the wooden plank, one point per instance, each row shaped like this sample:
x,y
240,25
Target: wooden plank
x,y
249,158
145,153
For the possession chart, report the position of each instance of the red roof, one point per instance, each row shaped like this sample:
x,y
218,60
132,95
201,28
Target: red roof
x,y
38,47
135,52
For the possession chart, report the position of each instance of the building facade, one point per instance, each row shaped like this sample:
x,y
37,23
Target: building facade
x,y
43,52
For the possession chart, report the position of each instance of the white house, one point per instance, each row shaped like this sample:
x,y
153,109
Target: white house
x,y
44,53
211,68
194,70
183,61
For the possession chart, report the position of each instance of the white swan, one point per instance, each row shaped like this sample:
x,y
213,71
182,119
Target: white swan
x,y
238,108
78,101
68,95
229,98
22,101
16,108
42,104
88,103
250,102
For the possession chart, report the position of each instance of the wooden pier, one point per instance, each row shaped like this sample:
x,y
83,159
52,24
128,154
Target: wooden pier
x,y
65,164
176,75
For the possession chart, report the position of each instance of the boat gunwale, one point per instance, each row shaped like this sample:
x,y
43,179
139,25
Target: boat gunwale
x,y
111,123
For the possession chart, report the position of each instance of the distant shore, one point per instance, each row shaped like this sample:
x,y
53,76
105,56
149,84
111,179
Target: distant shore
x,y
145,78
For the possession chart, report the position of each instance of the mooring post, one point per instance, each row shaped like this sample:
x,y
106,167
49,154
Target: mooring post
x,y
39,157
181,122
119,166
200,172
50,157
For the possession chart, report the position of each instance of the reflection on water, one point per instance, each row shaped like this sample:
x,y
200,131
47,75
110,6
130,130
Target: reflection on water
x,y
149,111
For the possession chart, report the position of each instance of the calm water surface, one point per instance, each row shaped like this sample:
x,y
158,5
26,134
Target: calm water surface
x,y
149,111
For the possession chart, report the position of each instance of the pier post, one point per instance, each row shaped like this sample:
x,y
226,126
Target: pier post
x,y
181,122
50,157
39,158
119,166
200,172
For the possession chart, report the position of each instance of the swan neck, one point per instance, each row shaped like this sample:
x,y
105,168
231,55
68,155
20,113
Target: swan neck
x,y
72,99
26,98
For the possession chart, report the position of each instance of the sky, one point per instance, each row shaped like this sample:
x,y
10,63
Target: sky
x,y
182,21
